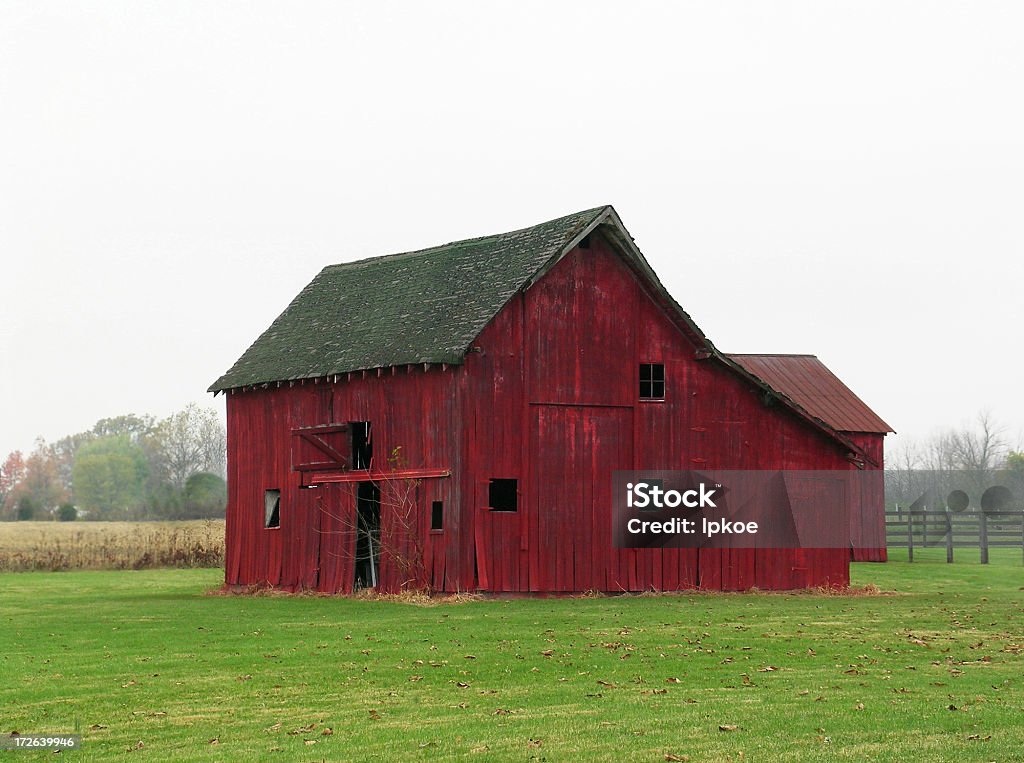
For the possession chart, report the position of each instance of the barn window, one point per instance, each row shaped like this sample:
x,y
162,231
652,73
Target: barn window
x,y
272,508
502,495
362,445
437,515
652,381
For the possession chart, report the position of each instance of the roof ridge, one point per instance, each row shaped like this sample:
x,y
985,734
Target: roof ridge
x,y
771,355
590,213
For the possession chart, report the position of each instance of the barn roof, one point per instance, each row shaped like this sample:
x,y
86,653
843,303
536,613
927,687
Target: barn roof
x,y
428,306
809,383
425,306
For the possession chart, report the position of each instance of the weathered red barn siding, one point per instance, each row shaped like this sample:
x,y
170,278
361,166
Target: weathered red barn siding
x,y
867,519
552,401
314,546
547,395
808,382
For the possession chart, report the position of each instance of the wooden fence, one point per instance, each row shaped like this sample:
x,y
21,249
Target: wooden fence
x,y
952,530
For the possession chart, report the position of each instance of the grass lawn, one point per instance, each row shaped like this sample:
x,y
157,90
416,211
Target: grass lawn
x,y
146,664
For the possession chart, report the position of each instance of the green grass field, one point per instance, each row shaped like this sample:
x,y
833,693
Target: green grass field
x,y
148,665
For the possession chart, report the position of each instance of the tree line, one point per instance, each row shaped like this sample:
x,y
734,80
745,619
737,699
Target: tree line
x,y
972,458
127,467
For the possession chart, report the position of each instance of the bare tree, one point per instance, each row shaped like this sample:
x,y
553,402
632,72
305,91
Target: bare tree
x,y
968,459
979,451
189,441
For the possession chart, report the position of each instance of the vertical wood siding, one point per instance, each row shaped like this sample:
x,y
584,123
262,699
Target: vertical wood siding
x,y
548,396
867,515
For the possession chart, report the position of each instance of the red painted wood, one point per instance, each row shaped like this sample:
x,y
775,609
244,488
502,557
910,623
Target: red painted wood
x,y
867,514
547,397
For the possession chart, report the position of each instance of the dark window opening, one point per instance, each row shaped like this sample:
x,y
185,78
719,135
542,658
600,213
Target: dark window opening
x,y
437,515
652,381
502,495
367,561
362,445
271,508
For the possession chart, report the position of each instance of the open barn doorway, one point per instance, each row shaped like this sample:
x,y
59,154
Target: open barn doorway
x,y
367,566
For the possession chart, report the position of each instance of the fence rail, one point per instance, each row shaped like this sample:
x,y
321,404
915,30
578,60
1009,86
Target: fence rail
x,y
952,530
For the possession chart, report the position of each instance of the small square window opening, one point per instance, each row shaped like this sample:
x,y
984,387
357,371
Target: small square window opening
x,y
652,381
503,495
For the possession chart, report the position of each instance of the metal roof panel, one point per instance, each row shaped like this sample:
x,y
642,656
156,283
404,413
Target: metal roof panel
x,y
810,384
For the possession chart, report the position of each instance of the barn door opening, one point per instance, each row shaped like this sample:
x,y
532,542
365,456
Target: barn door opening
x,y
367,564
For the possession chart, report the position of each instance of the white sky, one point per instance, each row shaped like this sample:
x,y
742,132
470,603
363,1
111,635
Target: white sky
x,y
845,179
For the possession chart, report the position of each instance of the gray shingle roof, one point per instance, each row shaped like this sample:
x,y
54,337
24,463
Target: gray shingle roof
x,y
418,307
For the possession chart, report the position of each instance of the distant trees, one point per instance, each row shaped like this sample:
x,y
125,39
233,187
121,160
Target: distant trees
x,y
205,496
12,473
125,467
35,478
27,508
188,442
109,477
972,458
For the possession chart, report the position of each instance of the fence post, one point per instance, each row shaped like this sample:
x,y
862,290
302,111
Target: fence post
x,y
910,536
983,536
949,537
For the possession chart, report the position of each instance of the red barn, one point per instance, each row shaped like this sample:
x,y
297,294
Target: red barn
x,y
806,380
450,418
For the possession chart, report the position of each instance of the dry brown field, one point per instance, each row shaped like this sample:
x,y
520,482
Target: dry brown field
x,y
110,545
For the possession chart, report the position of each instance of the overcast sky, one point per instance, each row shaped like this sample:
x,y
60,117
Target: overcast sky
x,y
844,179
